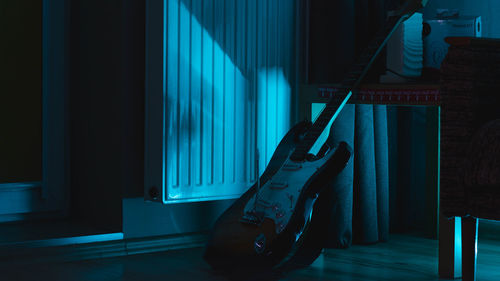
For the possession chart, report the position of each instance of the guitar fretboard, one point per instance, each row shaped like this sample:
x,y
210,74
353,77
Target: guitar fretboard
x,y
352,80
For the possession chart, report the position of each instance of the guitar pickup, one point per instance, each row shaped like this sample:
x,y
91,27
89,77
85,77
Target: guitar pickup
x,y
292,166
278,185
252,218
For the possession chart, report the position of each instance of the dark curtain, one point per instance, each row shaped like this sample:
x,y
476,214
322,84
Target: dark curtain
x,y
355,205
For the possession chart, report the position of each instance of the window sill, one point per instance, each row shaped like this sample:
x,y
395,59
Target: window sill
x,y
20,186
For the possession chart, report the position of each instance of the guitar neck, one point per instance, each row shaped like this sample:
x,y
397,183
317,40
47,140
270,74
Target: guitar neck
x,y
352,80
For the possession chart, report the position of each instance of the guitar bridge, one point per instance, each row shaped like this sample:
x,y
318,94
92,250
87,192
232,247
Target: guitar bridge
x,y
252,218
292,166
278,185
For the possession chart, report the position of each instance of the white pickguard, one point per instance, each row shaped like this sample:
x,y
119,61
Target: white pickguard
x,y
276,199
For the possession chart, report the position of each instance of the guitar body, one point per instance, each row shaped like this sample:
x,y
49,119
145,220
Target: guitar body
x,y
267,227
268,243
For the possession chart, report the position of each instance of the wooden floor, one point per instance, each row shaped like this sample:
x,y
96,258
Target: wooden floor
x,y
402,258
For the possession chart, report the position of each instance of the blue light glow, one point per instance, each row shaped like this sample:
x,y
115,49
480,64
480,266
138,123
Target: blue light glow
x,y
208,108
274,102
52,242
458,240
316,109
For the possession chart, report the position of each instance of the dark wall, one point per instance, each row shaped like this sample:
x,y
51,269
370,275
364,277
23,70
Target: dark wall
x,y
133,71
338,32
331,40
106,107
20,91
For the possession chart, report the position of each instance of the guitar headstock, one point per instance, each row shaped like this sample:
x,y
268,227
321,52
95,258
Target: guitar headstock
x,y
411,6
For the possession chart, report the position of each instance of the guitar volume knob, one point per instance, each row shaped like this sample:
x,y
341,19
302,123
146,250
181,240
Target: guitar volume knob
x,y
260,243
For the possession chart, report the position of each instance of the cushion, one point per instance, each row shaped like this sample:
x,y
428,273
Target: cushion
x,y
482,163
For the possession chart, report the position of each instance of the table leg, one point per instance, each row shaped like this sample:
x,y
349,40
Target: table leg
x,y
469,248
450,243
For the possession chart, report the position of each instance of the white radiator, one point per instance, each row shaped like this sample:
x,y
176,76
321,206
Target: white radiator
x,y
217,74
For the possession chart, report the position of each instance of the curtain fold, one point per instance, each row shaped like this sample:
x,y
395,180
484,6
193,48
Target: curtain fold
x,y
365,222
381,136
337,199
356,202
355,205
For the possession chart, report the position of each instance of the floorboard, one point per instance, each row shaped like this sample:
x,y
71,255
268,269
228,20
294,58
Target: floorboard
x,y
402,258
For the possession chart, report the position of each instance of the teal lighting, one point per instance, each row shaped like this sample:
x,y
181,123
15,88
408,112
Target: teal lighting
x,y
209,114
316,109
274,103
65,241
209,110
458,240
194,61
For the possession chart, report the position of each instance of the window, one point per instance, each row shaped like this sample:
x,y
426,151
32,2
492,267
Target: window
x,y
21,88
32,106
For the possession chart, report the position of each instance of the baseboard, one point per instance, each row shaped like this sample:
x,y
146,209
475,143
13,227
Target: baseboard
x,y
165,243
21,201
52,215
63,241
35,253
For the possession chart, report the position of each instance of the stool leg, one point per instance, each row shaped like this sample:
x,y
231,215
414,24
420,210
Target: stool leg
x,y
469,248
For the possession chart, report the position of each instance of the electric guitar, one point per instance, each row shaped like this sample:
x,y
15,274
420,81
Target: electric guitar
x,y
266,226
